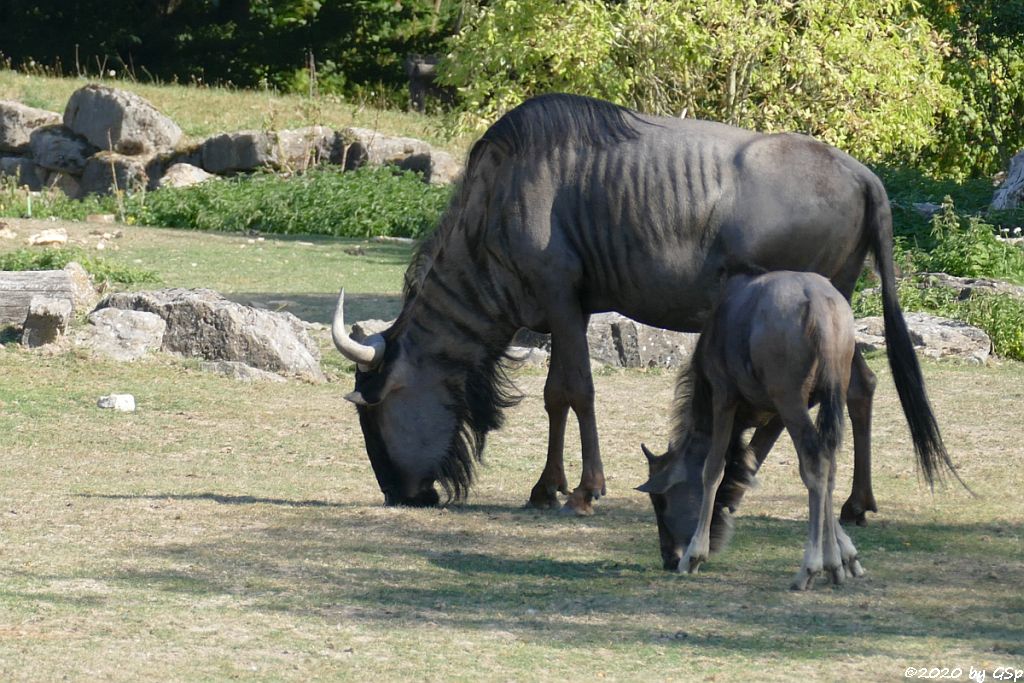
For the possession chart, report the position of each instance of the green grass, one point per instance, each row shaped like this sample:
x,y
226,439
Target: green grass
x,y
226,531
204,111
301,275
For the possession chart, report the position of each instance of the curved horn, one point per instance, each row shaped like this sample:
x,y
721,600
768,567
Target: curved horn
x,y
366,355
651,457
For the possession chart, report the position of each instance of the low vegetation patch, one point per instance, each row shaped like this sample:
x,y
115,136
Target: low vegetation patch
x,y
102,271
1001,316
362,203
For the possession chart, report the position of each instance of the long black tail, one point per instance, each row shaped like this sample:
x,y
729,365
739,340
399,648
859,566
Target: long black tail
x,y
906,372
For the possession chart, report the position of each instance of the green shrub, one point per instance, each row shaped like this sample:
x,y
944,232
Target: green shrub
x,y
17,203
967,247
1001,316
362,203
54,259
863,75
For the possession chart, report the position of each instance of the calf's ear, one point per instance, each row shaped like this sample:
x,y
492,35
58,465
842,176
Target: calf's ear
x,y
665,478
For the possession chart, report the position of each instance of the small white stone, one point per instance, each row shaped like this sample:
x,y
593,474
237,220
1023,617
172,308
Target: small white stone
x,y
122,402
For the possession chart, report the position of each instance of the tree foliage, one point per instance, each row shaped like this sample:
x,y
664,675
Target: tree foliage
x,y
861,74
985,66
356,44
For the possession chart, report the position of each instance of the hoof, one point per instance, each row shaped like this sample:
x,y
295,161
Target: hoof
x,y
542,498
690,565
804,580
856,513
853,568
580,503
838,575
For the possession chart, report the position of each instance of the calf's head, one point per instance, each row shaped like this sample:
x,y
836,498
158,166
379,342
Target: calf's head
x,y
675,485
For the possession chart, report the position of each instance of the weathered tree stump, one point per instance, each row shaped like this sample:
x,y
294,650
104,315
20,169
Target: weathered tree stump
x,y
18,288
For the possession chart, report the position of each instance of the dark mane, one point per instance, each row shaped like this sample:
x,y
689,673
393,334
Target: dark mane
x,y
558,121
481,393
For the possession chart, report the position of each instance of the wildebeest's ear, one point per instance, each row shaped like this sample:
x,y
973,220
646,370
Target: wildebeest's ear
x,y
666,478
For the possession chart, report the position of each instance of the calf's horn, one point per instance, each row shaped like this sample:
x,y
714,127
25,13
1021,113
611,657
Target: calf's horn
x,y
366,355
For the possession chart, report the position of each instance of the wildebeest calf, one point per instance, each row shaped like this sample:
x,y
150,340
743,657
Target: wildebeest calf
x,y
775,344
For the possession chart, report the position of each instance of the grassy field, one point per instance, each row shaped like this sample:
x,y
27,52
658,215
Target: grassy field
x,y
202,111
235,531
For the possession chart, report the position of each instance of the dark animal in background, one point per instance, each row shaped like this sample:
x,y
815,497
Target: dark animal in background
x,y
775,344
421,70
571,206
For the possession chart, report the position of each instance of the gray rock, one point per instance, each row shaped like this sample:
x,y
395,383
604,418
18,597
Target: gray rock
x,y
202,323
120,121
1010,194
66,183
444,169
365,147
57,148
967,286
242,151
240,371
933,337
292,150
121,335
107,171
364,328
17,122
617,340
528,356
82,288
302,148
24,170
183,175
47,320
124,403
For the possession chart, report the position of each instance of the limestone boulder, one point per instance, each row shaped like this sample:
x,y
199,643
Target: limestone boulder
x,y
119,121
57,148
183,175
933,337
444,169
47,320
366,147
241,151
1010,195
17,121
106,172
203,324
121,335
23,170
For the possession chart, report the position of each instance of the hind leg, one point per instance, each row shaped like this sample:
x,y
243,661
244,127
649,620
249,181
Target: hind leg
x,y
814,473
859,402
833,552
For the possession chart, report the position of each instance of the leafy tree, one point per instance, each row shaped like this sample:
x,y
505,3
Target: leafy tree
x,y
985,64
861,74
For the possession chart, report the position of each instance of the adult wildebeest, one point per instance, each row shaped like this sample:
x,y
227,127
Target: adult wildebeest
x,y
570,206
774,344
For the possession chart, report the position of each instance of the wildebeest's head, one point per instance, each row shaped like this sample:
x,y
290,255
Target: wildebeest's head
x,y
424,415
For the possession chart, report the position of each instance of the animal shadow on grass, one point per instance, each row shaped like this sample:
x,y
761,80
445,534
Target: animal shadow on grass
x,y
493,568
223,498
